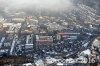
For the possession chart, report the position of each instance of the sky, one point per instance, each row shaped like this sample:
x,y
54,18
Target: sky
x,y
39,4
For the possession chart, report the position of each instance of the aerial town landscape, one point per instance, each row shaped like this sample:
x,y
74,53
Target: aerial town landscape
x,y
39,33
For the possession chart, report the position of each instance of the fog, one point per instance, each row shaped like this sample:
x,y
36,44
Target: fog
x,y
39,4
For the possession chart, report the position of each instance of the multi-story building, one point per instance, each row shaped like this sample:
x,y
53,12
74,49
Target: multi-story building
x,y
43,42
67,35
